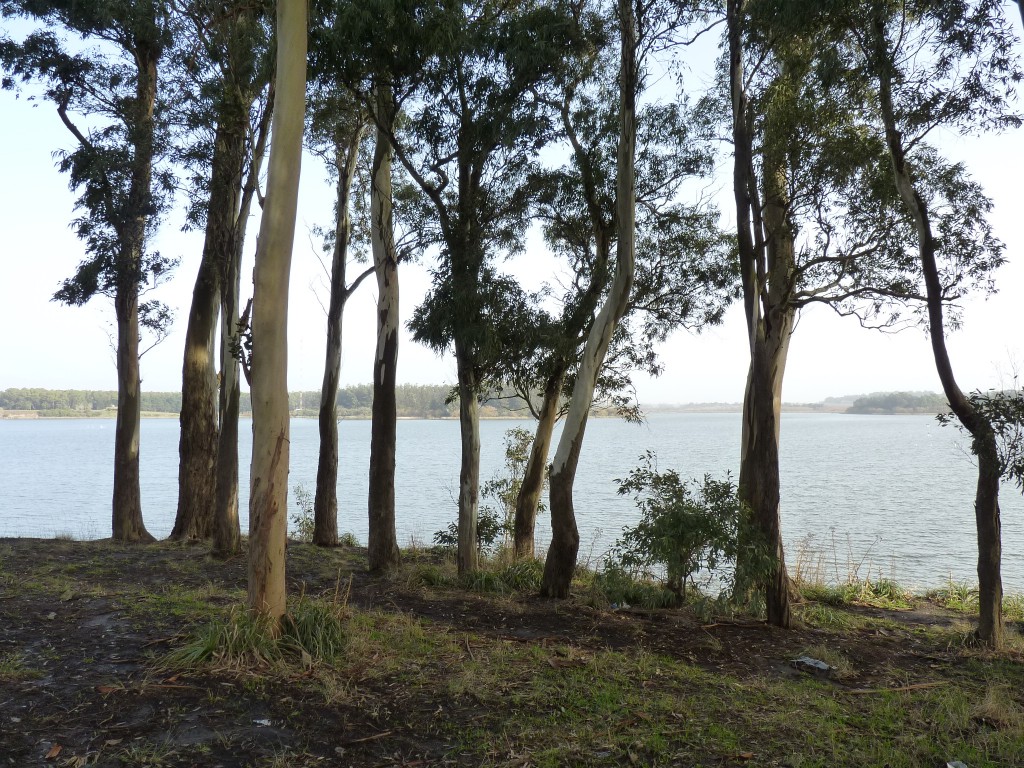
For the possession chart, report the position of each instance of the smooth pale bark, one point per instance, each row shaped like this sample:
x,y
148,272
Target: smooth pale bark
x,y
986,499
325,503
768,332
227,535
270,452
528,499
198,441
561,559
383,538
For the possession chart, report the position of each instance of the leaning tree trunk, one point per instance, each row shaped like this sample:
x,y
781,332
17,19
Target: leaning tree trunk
x,y
986,499
197,446
383,538
528,498
565,539
325,504
268,496
127,505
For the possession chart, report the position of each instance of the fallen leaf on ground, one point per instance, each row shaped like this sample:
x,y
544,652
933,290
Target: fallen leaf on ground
x,y
54,751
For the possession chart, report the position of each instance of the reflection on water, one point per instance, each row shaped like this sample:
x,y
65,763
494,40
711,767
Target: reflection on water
x,y
893,494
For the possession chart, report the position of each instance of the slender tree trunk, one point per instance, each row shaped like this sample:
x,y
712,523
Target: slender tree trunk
x,y
528,499
227,536
127,505
986,499
198,443
270,454
383,538
767,333
325,504
561,560
469,473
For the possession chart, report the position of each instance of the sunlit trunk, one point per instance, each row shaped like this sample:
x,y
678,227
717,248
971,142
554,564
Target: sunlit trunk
x,y
528,499
270,453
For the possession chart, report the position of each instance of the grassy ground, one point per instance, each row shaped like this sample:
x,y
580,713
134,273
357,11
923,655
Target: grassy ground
x,y
115,656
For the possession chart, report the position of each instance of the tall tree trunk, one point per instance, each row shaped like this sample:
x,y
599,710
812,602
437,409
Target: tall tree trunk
x,y
383,538
325,504
198,442
769,323
986,499
561,560
227,537
528,498
270,453
127,504
467,556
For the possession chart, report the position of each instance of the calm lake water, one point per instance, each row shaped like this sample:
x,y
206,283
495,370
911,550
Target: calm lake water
x,y
880,495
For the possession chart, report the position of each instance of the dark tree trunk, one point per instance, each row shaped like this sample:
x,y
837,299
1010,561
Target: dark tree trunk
x,y
127,503
528,499
560,564
227,537
198,443
469,473
986,499
325,504
128,526
383,539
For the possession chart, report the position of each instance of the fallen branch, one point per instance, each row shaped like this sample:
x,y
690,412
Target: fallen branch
x,y
902,688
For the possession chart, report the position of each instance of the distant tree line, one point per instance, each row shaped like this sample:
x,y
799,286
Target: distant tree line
x,y
900,402
424,401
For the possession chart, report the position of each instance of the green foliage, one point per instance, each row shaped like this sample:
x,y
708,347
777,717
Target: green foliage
x,y
685,527
1004,412
900,402
495,523
302,519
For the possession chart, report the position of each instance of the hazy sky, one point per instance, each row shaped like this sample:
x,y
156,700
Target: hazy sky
x,y
44,344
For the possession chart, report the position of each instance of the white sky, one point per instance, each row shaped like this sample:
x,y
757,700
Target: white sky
x,y
44,344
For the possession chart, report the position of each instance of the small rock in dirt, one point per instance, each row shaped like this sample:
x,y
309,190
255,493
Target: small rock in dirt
x,y
263,722
808,664
956,764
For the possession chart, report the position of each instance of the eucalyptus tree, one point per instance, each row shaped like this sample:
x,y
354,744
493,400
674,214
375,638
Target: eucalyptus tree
x,y
816,223
684,276
105,92
339,123
268,495
222,68
950,65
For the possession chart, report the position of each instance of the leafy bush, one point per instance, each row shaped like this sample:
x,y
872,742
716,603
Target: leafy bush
x,y
495,523
685,528
302,519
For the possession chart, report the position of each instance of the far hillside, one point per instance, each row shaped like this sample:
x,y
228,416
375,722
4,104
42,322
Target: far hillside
x,y
899,402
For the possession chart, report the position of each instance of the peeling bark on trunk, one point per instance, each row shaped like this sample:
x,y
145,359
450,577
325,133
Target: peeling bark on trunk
x,y
198,443
383,538
325,504
270,452
561,560
986,499
528,500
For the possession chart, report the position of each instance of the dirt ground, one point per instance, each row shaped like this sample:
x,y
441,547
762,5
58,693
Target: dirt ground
x,y
84,626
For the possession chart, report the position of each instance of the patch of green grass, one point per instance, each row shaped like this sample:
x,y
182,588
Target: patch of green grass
x,y
13,668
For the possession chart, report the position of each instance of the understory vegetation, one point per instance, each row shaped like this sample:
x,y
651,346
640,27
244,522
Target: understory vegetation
x,y
426,666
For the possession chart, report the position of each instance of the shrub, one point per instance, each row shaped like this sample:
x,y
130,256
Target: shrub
x,y
302,519
685,527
